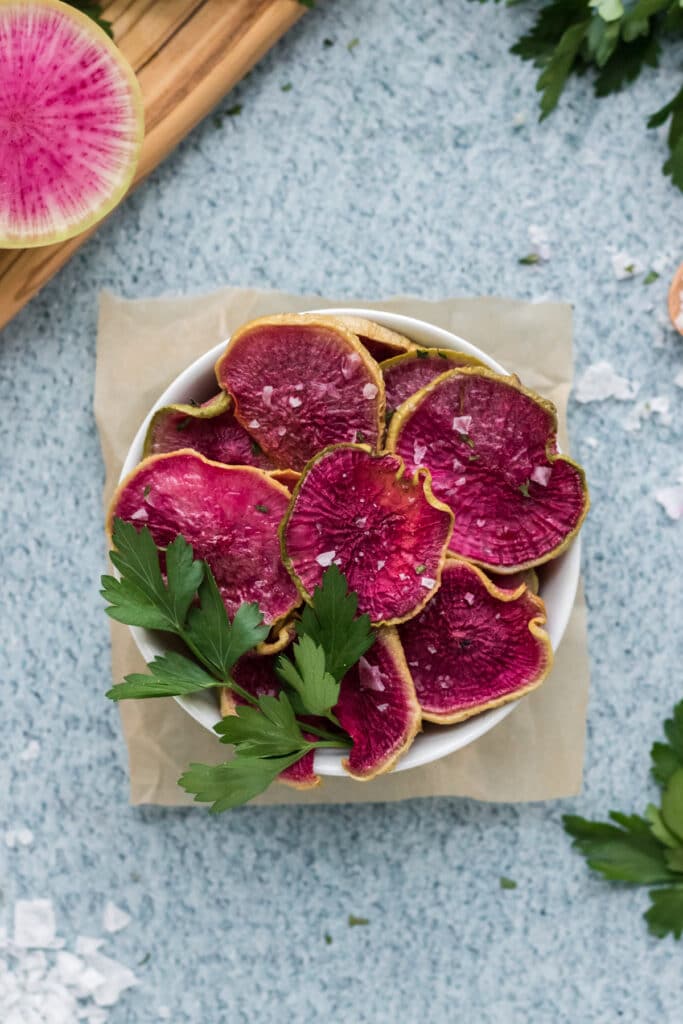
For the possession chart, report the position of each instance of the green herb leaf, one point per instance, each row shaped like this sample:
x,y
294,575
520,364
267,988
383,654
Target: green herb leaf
x,y
674,859
331,621
507,883
287,87
554,78
422,353
234,782
261,508
659,829
352,44
355,922
269,730
214,638
172,674
524,488
667,758
651,277
317,688
628,854
528,261
672,804
137,559
665,916
419,569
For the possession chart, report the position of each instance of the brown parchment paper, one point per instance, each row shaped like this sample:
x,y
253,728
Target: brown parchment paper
x,y
536,753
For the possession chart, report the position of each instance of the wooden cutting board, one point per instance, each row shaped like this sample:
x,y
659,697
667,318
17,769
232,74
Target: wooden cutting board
x,y
187,54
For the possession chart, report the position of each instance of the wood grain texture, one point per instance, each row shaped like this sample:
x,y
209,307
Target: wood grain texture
x,y
187,55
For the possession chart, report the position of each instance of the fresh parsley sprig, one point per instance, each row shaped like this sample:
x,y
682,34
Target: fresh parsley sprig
x,y
645,850
617,39
268,733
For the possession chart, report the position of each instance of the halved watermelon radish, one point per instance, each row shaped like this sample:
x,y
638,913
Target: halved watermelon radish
x,y
71,123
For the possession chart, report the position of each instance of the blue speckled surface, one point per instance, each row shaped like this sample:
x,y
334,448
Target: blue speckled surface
x,y
393,168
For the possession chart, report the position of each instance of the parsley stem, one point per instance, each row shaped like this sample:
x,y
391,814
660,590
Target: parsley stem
x,y
340,741
335,744
241,692
333,718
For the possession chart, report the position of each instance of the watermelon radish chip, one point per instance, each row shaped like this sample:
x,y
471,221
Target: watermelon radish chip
x,y
382,528
257,676
378,708
229,514
490,446
301,383
210,429
406,374
475,646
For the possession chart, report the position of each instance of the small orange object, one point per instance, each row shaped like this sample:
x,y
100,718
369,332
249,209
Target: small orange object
x,y
676,300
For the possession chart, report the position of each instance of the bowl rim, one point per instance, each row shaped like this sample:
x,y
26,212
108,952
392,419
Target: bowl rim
x,y
443,740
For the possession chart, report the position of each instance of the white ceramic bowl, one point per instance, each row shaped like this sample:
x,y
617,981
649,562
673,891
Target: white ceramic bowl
x,y
558,580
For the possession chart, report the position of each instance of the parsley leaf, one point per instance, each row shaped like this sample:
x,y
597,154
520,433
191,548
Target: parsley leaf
x,y
667,758
553,79
331,621
626,854
507,883
234,782
672,804
665,915
172,674
142,586
355,922
318,690
220,641
269,730
93,11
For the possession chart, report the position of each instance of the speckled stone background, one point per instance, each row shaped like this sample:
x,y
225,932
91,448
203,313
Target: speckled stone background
x,y
398,166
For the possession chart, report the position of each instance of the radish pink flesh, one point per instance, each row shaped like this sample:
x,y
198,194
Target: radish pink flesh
x,y
487,445
377,707
384,533
220,438
469,649
301,386
69,124
412,371
230,516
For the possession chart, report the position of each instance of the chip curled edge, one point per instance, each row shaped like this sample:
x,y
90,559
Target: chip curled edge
x,y
475,646
491,447
230,516
257,676
378,708
406,374
301,382
210,429
381,342
382,527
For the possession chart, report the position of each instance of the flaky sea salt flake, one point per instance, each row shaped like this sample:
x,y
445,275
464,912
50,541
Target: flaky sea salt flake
x,y
600,381
114,919
34,924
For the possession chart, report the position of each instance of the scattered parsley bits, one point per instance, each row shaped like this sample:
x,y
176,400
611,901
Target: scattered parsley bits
x,y
287,87
360,437
422,353
146,492
507,883
328,939
352,44
466,439
355,922
255,447
524,488
184,423
327,43
419,569
473,458
261,508
528,261
234,111
651,277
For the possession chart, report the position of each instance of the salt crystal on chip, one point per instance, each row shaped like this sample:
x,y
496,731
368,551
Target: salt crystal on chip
x,y
326,558
600,381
